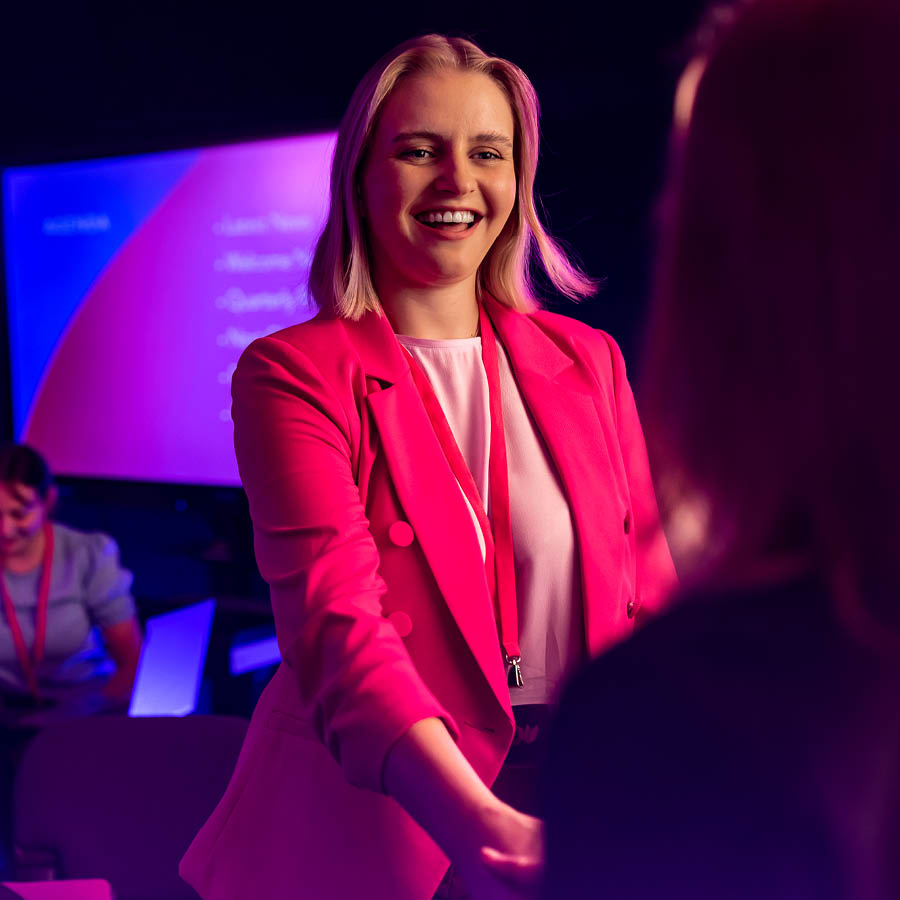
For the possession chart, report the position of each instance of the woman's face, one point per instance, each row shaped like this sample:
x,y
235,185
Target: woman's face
x,y
439,182
22,516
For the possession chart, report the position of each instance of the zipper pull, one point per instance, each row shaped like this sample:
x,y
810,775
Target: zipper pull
x,y
514,671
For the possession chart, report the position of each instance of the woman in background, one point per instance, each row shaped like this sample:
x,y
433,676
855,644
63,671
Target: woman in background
x,y
755,728
441,547
57,585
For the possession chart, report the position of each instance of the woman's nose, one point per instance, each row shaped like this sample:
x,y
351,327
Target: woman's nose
x,y
456,175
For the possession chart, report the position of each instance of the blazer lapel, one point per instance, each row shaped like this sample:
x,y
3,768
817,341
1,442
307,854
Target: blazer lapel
x,y
581,440
429,494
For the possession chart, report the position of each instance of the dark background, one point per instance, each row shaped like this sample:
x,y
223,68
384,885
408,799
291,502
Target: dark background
x,y
84,80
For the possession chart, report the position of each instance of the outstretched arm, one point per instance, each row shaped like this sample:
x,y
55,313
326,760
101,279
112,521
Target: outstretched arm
x,y
497,849
295,439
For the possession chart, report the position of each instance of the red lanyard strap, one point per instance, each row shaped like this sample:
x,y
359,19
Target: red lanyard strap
x,y
497,530
30,662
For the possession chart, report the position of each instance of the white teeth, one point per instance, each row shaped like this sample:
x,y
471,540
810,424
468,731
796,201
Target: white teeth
x,y
450,218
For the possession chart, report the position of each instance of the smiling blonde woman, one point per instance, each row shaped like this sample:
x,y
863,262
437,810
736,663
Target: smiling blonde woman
x,y
451,504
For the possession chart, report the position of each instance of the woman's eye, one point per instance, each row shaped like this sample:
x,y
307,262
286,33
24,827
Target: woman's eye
x,y
488,154
417,153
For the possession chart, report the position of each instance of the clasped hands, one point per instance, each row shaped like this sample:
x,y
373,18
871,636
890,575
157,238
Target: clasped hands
x,y
508,865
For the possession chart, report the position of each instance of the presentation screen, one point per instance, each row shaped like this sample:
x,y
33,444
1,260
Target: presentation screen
x,y
134,283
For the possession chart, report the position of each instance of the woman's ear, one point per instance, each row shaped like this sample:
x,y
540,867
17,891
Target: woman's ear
x,y
50,500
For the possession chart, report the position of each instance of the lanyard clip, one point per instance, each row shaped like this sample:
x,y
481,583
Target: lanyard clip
x,y
514,671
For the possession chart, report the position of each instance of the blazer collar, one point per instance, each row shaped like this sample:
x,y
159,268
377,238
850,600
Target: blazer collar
x,y
528,347
531,350
377,346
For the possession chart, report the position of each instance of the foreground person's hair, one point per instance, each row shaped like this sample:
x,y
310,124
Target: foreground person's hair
x,y
772,366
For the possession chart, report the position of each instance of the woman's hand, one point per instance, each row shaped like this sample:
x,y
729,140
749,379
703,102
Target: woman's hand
x,y
497,850
509,865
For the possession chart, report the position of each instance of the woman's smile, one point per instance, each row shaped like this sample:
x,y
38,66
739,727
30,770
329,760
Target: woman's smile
x,y
449,223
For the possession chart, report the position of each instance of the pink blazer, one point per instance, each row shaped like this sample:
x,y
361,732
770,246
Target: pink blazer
x,y
379,596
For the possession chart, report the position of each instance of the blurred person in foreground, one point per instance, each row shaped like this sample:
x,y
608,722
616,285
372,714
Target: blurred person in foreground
x,y
747,745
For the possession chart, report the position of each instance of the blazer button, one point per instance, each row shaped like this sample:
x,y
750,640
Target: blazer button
x,y
627,524
401,534
629,609
402,622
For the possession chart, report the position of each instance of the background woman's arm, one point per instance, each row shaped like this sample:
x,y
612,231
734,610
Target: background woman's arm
x,y
123,643
107,595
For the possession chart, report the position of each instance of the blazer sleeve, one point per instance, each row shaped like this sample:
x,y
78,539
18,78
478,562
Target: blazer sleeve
x,y
655,572
314,547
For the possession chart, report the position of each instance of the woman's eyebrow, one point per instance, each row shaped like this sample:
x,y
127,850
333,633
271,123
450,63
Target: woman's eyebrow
x,y
417,136
492,137
486,137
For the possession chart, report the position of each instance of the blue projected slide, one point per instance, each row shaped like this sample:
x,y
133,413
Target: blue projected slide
x,y
133,285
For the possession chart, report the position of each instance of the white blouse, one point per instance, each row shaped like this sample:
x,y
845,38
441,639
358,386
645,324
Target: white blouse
x,y
548,590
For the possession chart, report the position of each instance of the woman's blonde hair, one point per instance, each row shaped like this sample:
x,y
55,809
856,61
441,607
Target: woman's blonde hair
x,y
340,278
